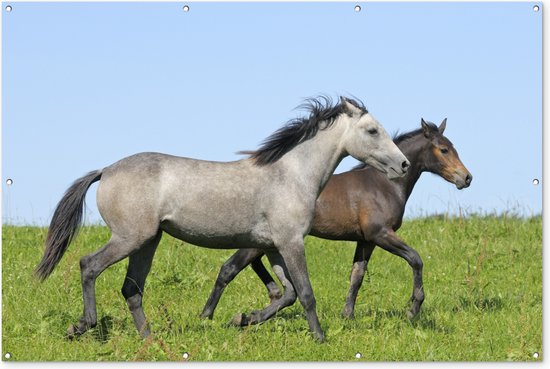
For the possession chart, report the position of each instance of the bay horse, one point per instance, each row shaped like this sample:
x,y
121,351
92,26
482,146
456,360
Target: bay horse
x,y
364,206
265,201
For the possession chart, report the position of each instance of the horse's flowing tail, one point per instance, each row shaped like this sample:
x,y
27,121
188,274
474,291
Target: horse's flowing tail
x,y
65,223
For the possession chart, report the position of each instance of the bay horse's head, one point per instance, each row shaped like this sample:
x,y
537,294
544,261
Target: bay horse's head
x,y
368,141
441,157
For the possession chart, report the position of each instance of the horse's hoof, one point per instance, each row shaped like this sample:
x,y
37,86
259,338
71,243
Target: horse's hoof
x,y
319,337
72,332
412,316
255,317
206,316
239,320
145,334
348,314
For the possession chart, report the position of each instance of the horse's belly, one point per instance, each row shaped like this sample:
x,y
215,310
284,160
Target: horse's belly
x,y
340,235
220,237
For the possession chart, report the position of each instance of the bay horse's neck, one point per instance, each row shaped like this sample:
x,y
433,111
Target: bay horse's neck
x,y
413,148
312,162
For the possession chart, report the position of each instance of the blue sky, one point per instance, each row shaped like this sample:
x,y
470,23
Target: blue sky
x,y
86,84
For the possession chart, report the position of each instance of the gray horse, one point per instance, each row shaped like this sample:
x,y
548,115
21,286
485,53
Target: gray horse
x,y
265,201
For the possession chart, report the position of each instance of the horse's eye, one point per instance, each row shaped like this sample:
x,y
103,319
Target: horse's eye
x,y
444,150
372,131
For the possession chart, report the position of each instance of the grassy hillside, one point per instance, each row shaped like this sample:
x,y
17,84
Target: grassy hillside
x,y
482,278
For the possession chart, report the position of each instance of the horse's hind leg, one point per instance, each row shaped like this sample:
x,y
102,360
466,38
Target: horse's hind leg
x,y
287,299
91,266
363,252
139,266
229,270
289,264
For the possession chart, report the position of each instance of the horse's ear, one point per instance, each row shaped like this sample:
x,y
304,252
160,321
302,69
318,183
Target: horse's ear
x,y
348,107
425,128
442,126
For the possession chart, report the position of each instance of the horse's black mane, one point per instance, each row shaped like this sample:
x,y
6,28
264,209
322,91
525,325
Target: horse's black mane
x,y
398,138
322,114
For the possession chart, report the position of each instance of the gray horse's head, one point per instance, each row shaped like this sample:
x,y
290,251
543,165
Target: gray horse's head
x,y
366,140
363,137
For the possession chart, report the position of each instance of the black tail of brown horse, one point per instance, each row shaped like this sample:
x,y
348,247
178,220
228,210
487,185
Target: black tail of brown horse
x,y
65,223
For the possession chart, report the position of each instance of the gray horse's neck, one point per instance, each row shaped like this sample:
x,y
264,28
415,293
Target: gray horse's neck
x,y
311,164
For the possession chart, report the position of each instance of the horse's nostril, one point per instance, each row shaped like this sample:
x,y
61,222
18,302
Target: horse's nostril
x,y
468,178
405,165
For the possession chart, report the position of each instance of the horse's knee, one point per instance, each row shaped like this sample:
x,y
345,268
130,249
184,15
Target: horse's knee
x,y
129,290
416,262
132,295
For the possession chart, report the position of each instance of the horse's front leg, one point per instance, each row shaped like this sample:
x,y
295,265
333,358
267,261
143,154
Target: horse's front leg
x,y
389,241
229,270
288,298
363,252
293,255
289,264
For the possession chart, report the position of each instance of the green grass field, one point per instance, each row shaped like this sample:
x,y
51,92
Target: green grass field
x,y
482,278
